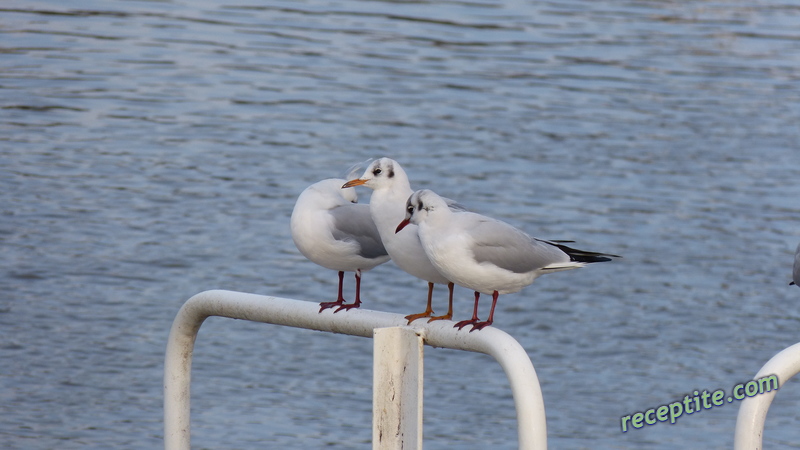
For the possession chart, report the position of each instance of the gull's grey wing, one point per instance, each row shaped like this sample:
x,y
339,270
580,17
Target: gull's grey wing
x,y
501,244
352,222
454,205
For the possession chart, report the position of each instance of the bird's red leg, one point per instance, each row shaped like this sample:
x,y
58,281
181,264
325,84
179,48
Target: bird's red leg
x,y
428,309
356,303
481,325
474,319
449,314
325,305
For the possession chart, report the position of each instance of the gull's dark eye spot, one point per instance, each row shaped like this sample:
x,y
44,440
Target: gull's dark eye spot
x,y
377,171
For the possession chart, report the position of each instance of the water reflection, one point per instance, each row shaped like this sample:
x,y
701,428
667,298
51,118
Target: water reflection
x,y
154,150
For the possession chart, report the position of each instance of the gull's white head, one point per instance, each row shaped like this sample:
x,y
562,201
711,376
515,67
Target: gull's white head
x,y
382,173
420,206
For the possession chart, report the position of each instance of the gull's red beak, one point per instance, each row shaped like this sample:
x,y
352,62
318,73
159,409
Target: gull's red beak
x,y
356,182
402,225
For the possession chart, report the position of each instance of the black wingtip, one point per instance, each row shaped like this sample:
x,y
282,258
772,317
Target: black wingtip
x,y
582,255
588,259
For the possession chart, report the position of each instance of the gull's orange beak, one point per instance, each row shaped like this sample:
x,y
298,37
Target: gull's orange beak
x,y
356,182
402,225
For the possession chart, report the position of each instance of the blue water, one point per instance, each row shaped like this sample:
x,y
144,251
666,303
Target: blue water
x,y
152,150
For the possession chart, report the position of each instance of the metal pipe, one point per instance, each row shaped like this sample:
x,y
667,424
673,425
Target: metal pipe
x,y
531,426
749,431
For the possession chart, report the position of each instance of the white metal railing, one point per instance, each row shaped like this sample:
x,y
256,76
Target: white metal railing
x,y
395,343
753,410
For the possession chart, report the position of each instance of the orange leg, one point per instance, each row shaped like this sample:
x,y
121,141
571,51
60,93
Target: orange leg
x,y
449,314
428,310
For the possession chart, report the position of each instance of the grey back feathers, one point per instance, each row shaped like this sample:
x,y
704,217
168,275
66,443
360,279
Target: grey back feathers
x,y
354,223
506,247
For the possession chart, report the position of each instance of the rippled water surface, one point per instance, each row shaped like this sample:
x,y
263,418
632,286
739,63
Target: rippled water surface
x,y
152,150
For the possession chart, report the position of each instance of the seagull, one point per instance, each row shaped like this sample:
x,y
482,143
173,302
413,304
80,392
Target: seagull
x,y
484,254
331,230
387,205
796,268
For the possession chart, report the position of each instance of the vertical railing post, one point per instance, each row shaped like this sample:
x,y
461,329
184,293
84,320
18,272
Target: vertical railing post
x,y
749,432
397,389
178,376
